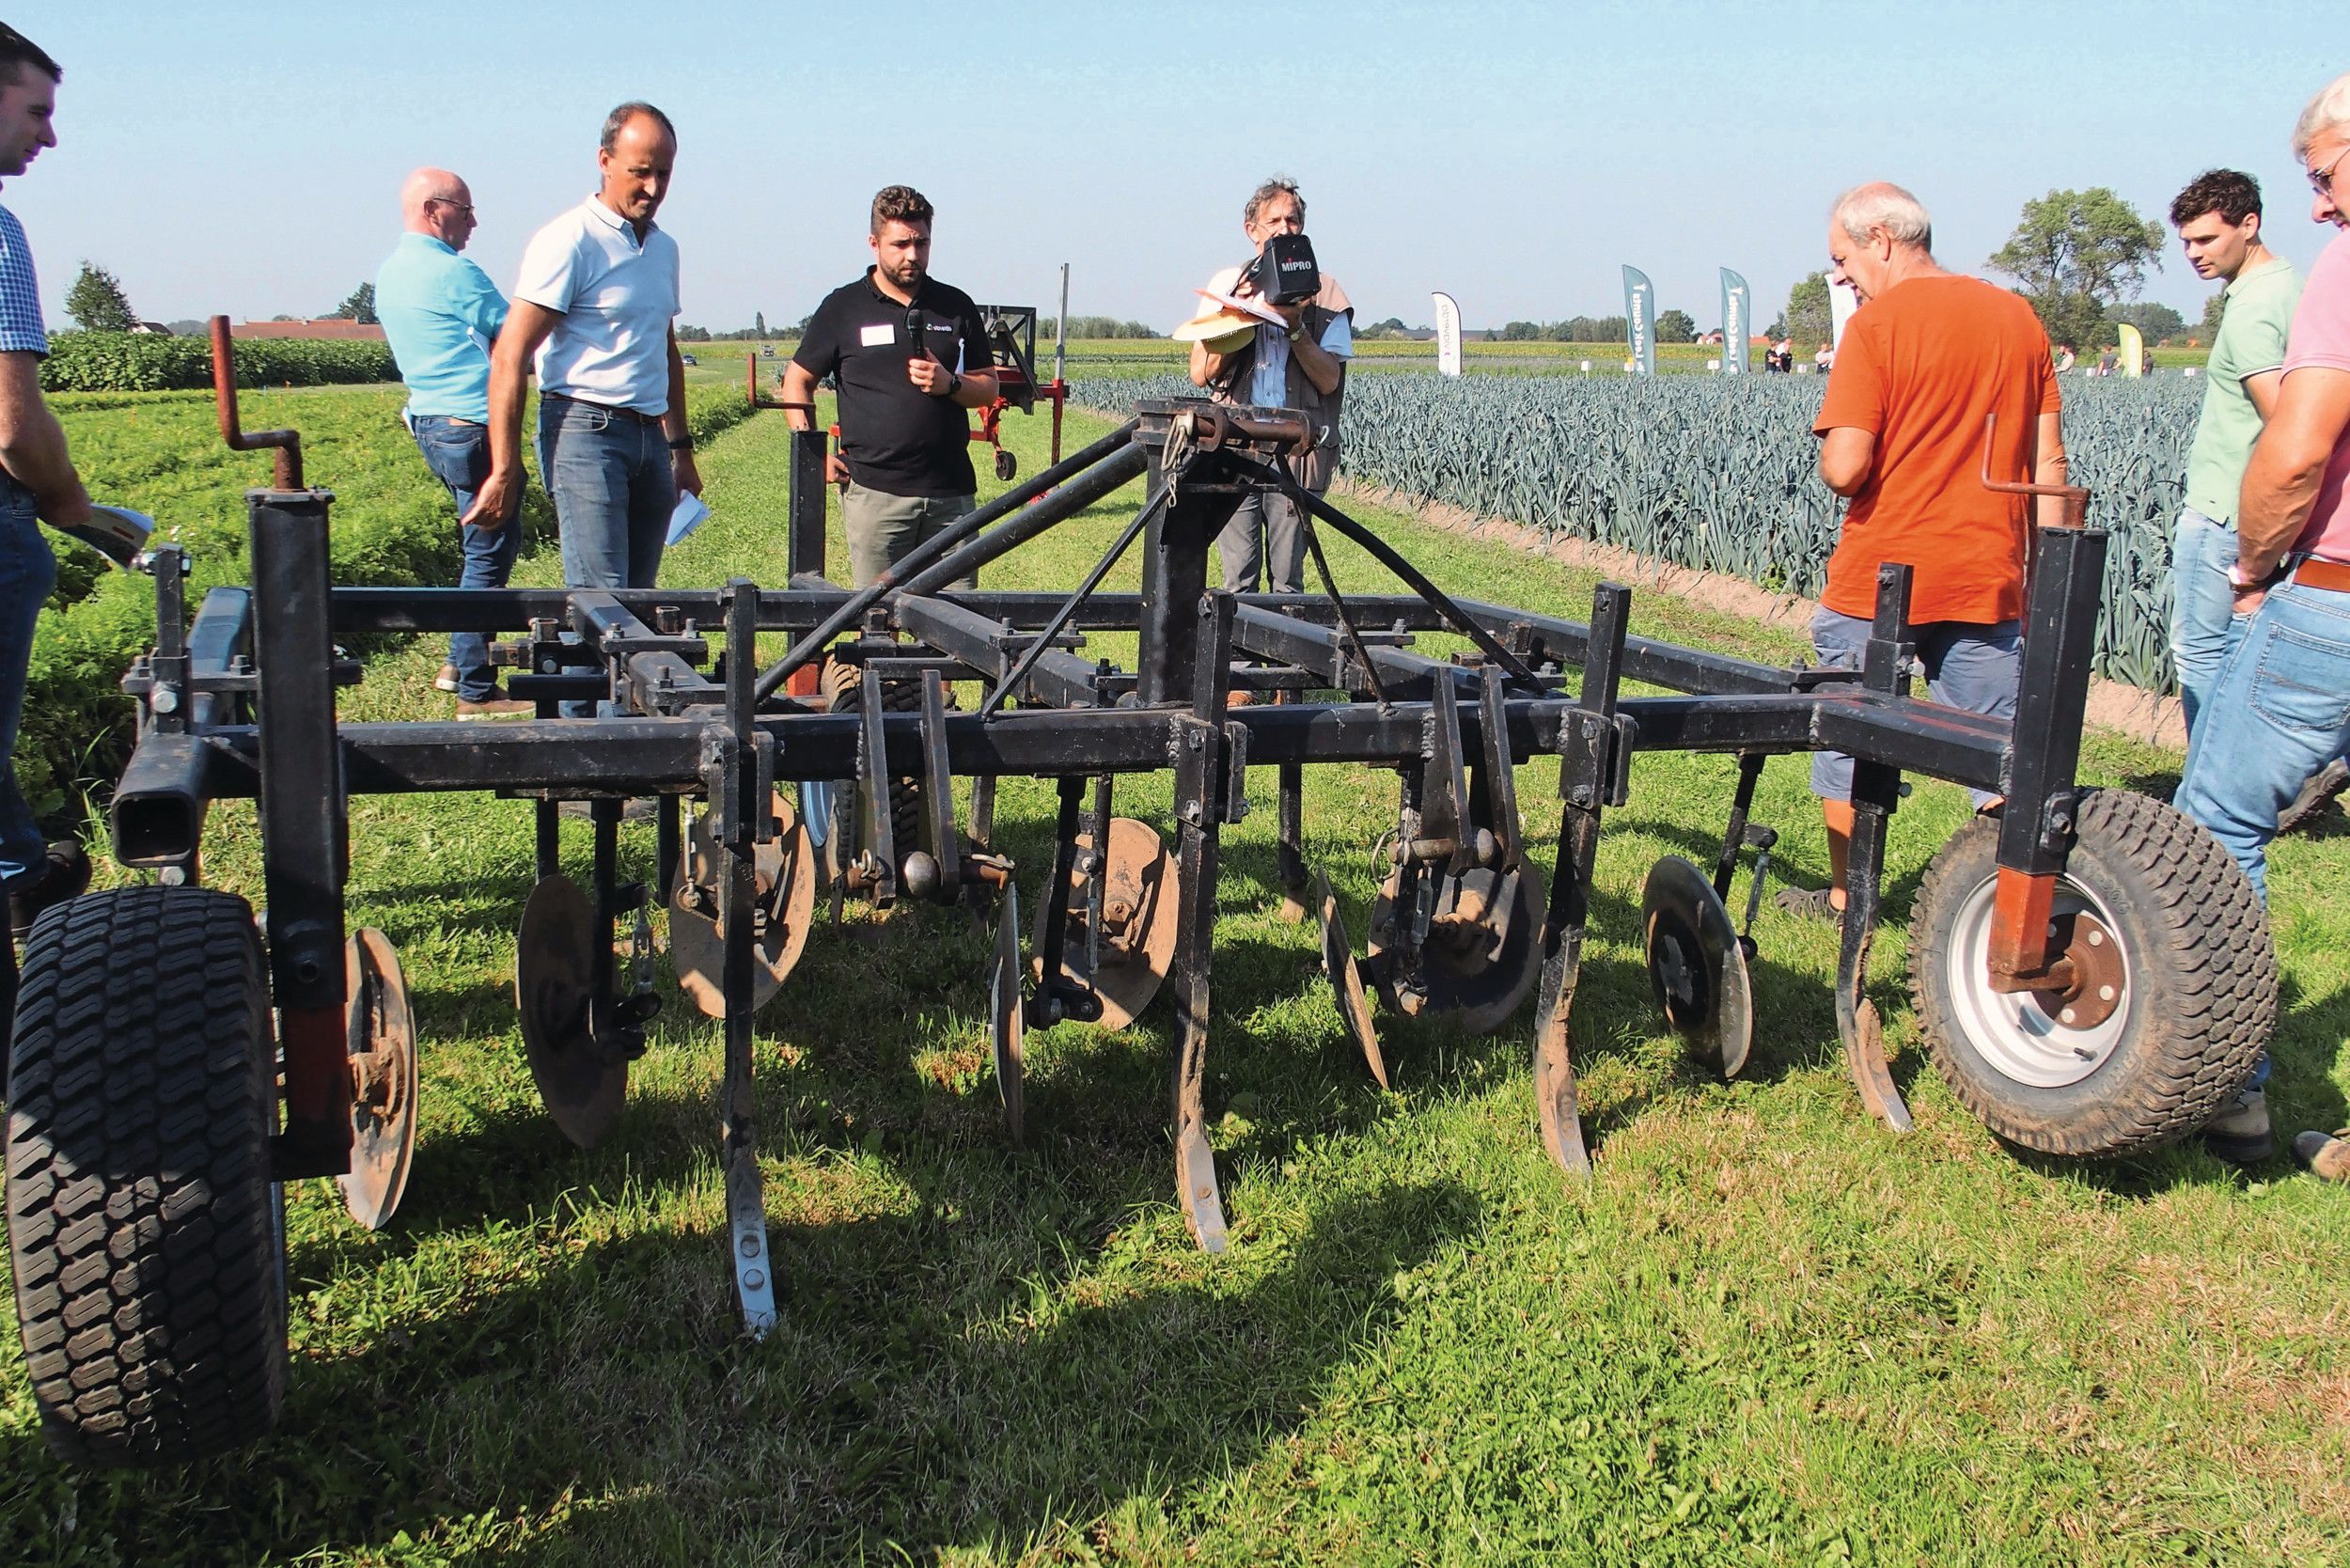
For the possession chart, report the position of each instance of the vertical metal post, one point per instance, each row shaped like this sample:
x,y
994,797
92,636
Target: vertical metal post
x,y
1198,758
1875,789
1587,765
2044,751
303,826
804,540
744,822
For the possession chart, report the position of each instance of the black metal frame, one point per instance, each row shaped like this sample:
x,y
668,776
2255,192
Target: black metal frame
x,y
244,705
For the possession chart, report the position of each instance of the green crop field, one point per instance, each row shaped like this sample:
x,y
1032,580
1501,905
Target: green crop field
x,y
1766,1332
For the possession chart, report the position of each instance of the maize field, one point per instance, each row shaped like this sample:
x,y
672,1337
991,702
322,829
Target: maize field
x,y
1718,475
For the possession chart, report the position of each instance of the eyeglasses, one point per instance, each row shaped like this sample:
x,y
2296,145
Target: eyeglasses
x,y
2322,180
447,201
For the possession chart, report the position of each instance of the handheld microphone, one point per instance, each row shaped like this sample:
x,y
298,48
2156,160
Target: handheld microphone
x,y
914,331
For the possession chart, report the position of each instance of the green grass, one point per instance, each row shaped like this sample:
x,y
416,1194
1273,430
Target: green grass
x,y
1766,1331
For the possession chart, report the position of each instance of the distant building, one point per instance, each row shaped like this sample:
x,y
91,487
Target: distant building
x,y
335,328
151,329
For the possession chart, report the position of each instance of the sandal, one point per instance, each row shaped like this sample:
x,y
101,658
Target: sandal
x,y
1808,903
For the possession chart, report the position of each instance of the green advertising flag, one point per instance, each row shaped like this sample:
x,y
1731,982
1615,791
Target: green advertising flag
x,y
1737,301
1640,315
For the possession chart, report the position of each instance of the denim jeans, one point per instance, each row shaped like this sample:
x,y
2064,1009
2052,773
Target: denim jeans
x,y
458,452
2279,710
1970,666
2201,605
608,474
27,572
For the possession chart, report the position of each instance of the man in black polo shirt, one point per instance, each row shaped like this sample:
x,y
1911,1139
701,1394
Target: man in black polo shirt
x,y
909,356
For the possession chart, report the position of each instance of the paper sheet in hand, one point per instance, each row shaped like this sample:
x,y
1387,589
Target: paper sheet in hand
x,y
691,513
1250,306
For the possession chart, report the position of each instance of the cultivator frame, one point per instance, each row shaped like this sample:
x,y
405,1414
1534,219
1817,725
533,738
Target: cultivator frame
x,y
243,704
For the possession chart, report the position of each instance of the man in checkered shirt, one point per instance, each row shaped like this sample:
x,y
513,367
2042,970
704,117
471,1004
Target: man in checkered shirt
x,y
37,482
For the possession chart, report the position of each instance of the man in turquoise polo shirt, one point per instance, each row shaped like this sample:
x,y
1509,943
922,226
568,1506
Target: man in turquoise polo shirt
x,y
2218,219
441,313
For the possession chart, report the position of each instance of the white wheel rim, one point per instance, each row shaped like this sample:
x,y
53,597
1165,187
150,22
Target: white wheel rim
x,y
2010,1030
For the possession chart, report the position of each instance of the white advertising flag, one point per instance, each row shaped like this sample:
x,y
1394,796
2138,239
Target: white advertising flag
x,y
1447,335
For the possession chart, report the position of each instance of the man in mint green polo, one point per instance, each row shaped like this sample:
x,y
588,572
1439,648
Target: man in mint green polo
x,y
2218,219
441,313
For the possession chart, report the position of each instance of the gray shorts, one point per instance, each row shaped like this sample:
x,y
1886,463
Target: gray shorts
x,y
1967,666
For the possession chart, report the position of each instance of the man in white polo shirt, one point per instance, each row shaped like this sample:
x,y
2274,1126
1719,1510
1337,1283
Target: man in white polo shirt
x,y
593,308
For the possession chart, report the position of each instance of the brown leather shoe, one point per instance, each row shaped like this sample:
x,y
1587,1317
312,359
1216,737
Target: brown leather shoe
x,y
498,707
2327,1155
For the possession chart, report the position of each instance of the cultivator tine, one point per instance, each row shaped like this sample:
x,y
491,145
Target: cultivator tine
x,y
1874,787
745,812
1346,980
1197,762
1006,1025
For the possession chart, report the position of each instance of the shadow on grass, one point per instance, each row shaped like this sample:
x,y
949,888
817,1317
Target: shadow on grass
x,y
951,1374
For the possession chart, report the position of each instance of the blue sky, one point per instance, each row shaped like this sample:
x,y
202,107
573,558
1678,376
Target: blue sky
x,y
245,158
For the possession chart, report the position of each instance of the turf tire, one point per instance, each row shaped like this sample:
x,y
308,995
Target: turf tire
x,y
143,1228
2202,996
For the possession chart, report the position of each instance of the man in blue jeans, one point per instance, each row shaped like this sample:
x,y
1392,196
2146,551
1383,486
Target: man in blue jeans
x,y
37,483
441,313
2279,706
595,303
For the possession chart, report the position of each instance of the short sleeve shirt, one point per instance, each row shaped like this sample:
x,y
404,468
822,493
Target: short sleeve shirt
x,y
2321,340
616,294
440,313
1921,367
21,329
895,437
2250,340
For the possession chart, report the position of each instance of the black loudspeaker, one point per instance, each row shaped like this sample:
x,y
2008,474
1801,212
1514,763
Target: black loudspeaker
x,y
1285,272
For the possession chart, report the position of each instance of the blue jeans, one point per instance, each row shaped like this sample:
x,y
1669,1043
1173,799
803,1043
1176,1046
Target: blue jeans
x,y
2279,710
27,572
609,475
458,452
2201,605
1971,666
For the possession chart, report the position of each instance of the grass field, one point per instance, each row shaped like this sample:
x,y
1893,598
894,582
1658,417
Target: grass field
x,y
1766,1331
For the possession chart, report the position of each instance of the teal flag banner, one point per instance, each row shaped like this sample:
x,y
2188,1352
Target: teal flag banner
x,y
1737,318
1639,314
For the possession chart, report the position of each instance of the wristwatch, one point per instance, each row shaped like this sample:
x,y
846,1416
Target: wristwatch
x,y
2238,581
1298,332
954,382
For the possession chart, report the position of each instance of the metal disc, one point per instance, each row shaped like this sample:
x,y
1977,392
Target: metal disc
x,y
383,1045
785,870
554,988
1346,981
1005,1027
1462,969
1139,906
1695,964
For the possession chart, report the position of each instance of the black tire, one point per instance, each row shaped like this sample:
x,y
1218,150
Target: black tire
x,y
143,1228
2195,1009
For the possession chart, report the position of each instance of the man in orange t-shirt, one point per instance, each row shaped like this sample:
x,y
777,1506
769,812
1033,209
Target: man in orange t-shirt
x,y
1925,360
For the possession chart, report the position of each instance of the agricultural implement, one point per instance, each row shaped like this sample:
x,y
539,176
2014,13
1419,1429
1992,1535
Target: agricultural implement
x,y
2093,973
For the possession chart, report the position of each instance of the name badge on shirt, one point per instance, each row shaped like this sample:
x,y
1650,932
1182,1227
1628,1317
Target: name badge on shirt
x,y
879,335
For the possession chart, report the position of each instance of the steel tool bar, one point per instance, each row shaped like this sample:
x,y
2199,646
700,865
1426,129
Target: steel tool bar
x,y
1042,641
1108,451
1104,478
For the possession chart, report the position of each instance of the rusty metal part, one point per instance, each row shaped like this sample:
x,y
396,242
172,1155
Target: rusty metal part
x,y
1138,883
2075,499
1481,955
1555,1100
2095,974
383,1051
785,908
582,1087
1346,980
287,445
2025,954
1696,967
1006,1025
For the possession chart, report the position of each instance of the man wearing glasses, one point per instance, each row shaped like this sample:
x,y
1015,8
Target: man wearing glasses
x,y
441,313
2280,709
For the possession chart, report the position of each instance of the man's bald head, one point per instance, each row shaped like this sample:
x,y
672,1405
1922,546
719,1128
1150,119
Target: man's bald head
x,y
434,201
